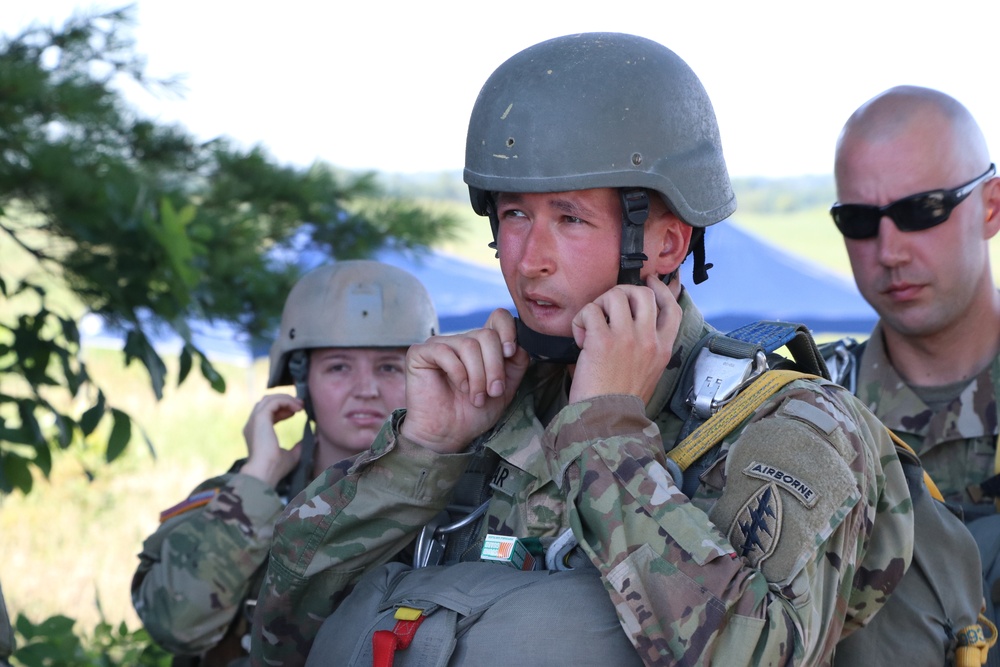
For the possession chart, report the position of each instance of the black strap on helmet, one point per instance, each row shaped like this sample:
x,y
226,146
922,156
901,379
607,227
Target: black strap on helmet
x,y
700,269
298,368
635,210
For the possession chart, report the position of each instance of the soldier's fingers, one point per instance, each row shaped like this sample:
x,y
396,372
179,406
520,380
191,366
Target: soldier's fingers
x,y
630,306
669,312
502,322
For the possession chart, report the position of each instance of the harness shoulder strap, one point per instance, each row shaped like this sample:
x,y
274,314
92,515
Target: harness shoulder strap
x,y
723,422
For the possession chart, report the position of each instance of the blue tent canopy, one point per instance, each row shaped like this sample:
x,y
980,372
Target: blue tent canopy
x,y
755,280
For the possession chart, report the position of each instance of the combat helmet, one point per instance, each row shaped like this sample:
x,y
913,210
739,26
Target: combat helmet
x,y
600,110
354,303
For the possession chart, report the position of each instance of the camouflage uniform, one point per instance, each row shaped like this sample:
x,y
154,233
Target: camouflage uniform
x,y
199,568
811,456
957,446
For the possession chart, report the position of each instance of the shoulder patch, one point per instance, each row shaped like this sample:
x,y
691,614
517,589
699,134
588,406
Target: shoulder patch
x,y
788,481
755,531
787,458
193,501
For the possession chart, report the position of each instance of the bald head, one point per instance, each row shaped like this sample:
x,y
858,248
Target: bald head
x,y
906,114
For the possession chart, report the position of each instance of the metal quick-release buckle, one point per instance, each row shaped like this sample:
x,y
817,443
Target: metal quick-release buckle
x,y
719,378
433,537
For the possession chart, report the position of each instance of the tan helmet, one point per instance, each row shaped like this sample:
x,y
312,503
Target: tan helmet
x,y
355,303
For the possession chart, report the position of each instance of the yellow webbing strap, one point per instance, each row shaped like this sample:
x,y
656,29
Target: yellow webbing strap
x,y
928,482
719,425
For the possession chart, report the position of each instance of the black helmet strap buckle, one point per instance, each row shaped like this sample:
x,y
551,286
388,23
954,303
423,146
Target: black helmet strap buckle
x,y
635,211
298,368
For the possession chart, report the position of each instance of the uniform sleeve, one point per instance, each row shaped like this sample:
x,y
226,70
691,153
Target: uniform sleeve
x,y
812,530
336,530
196,570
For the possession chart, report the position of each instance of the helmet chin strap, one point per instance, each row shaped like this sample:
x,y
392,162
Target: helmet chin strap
x,y
298,368
563,349
635,210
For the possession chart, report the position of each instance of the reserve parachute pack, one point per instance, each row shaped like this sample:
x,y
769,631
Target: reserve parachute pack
x,y
941,594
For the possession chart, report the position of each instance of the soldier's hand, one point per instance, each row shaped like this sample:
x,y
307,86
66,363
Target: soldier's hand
x,y
626,336
458,386
267,460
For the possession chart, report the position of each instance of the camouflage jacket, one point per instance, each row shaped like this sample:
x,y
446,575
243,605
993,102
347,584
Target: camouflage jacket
x,y
957,446
204,561
796,534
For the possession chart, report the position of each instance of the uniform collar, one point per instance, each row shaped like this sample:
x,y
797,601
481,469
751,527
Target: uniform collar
x,y
892,400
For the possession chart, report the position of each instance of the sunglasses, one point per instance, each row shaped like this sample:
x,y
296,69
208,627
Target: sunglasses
x,y
911,214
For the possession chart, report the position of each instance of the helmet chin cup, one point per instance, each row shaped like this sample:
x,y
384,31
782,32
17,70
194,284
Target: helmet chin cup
x,y
543,347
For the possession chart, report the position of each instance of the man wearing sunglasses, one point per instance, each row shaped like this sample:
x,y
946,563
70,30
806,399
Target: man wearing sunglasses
x,y
918,203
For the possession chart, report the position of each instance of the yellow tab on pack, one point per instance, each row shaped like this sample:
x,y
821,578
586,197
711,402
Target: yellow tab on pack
x,y
407,614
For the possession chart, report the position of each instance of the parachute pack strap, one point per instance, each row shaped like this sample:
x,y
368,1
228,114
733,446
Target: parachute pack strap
x,y
928,482
385,643
635,210
719,425
973,645
771,335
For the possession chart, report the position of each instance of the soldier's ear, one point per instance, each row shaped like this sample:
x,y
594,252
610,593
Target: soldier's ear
x,y
991,204
667,241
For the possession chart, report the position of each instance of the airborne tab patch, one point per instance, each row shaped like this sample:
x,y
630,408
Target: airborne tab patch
x,y
794,485
755,530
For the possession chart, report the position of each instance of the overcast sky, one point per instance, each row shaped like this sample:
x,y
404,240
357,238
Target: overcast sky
x,y
389,86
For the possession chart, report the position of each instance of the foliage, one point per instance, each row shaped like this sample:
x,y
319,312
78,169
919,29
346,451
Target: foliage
x,y
779,196
147,227
52,643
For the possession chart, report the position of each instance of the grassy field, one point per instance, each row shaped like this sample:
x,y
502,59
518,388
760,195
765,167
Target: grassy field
x,y
72,543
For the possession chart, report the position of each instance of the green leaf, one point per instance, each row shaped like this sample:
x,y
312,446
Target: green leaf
x,y
185,364
214,378
56,626
92,417
149,442
24,626
16,473
43,459
137,346
70,330
121,433
26,411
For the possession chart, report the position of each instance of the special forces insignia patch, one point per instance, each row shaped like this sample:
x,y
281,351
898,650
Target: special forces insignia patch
x,y
755,530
